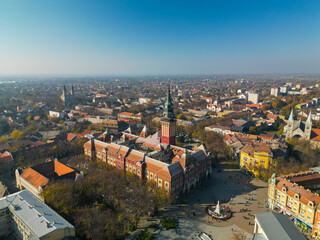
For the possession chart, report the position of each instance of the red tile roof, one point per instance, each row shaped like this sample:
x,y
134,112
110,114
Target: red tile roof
x,y
292,189
35,178
6,157
315,135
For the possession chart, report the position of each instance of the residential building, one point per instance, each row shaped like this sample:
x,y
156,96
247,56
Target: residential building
x,y
54,114
127,116
24,216
284,90
144,100
274,91
253,97
113,125
296,195
230,126
275,226
6,157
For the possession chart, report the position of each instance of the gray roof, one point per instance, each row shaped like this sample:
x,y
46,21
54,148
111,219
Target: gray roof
x,y
278,226
38,216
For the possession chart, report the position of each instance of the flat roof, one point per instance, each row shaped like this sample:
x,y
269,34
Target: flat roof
x,y
278,226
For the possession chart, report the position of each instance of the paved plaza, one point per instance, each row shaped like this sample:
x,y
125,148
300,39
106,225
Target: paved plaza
x,y
243,195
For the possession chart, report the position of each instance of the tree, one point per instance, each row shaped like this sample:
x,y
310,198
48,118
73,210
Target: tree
x,y
16,134
253,129
28,119
3,139
104,203
181,116
280,128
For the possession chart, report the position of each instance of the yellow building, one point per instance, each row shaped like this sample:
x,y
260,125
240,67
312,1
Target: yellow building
x,y
292,195
253,157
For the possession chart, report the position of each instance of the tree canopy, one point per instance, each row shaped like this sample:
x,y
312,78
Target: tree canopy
x,y
104,203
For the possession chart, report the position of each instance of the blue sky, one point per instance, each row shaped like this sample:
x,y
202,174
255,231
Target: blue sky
x,y
159,37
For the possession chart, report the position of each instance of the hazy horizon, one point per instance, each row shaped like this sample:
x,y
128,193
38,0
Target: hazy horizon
x,y
147,38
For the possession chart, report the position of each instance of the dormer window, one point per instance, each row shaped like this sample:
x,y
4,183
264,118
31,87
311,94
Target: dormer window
x,y
284,189
296,196
310,204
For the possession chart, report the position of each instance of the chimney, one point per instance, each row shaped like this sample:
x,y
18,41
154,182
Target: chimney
x,y
48,224
111,138
43,213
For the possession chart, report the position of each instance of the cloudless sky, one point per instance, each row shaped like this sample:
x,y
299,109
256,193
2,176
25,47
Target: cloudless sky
x,y
159,37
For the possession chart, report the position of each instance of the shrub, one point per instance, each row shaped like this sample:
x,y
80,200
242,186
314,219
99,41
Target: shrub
x,y
169,223
145,235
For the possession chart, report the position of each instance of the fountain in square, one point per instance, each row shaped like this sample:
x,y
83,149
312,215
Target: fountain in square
x,y
218,212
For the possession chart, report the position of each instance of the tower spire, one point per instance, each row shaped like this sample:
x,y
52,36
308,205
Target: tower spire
x,y
309,120
168,122
291,116
168,109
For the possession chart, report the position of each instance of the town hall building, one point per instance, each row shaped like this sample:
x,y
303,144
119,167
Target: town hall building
x,y
155,157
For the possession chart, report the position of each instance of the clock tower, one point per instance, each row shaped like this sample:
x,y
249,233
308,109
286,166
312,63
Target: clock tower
x,y
168,122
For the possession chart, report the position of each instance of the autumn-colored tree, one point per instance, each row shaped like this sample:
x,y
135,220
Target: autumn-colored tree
x,y
3,139
17,135
28,119
181,116
104,203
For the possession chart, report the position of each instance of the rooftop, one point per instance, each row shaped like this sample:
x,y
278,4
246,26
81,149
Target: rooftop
x,y
35,214
277,226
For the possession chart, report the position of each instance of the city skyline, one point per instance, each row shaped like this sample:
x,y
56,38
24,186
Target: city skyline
x,y
151,38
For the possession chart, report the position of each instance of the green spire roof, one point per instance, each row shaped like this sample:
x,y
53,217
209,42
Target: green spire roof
x,y
168,106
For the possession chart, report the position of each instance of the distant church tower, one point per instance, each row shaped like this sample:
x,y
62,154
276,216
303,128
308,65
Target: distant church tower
x,y
64,94
67,98
168,122
72,91
308,127
296,128
290,126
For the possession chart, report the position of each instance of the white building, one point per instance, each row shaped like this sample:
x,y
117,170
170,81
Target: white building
x,y
275,226
284,89
24,216
274,91
54,114
144,100
253,97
